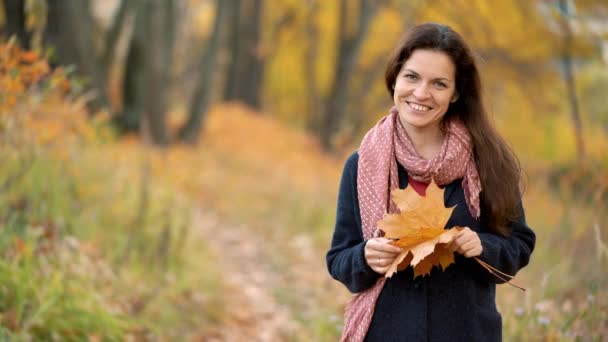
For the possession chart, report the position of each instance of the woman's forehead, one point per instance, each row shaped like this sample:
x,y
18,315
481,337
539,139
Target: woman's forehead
x,y
430,63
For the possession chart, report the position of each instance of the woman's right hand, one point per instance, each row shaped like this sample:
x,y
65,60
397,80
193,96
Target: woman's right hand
x,y
379,254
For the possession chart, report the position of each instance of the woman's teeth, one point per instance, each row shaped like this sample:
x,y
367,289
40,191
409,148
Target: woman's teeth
x,y
418,107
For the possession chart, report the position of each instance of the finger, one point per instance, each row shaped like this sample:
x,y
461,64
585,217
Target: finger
x,y
469,253
382,270
466,230
384,248
460,234
385,262
469,245
379,269
473,252
462,239
382,260
464,248
455,245
383,255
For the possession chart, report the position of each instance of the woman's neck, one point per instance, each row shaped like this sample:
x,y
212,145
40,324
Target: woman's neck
x,y
427,141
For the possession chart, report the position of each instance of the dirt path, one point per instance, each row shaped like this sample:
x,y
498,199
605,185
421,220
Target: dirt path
x,y
252,311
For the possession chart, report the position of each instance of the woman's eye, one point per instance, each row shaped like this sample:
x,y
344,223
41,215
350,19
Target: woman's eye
x,y
441,84
410,76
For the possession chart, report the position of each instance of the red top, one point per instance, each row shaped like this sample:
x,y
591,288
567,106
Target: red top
x,y
420,187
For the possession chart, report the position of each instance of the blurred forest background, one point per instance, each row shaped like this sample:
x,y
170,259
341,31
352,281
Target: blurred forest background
x,y
170,167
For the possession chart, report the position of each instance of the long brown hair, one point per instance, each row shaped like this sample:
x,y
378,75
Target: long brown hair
x,y
498,166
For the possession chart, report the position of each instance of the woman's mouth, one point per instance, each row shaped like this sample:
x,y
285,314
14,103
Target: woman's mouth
x,y
418,107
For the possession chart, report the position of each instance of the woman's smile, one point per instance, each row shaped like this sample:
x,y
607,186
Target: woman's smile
x,y
418,107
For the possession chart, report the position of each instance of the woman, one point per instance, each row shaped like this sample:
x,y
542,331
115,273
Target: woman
x,y
438,129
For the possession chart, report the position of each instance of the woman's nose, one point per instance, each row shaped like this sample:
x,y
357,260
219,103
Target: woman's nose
x,y
421,91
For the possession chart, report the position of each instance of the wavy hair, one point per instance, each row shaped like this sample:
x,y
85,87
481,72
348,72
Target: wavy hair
x,y
499,168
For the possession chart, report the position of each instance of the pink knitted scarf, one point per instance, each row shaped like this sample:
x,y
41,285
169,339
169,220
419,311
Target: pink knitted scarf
x,y
383,146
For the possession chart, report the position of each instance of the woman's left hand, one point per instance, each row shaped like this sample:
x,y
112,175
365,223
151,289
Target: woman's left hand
x,y
467,243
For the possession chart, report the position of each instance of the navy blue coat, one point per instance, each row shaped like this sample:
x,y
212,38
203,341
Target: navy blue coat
x,y
457,304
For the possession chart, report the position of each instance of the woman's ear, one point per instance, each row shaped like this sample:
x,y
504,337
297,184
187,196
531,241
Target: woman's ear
x,y
454,97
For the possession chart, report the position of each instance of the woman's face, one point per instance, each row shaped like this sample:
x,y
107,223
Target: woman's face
x,y
423,89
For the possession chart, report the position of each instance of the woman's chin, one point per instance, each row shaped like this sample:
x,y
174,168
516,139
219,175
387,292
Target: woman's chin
x,y
417,121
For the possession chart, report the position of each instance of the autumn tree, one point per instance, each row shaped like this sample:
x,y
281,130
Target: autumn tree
x,y
15,21
147,80
350,38
568,75
150,31
133,82
69,29
202,93
158,20
313,98
247,60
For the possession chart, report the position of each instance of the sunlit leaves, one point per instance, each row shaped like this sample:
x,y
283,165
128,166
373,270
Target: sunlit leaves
x,y
419,230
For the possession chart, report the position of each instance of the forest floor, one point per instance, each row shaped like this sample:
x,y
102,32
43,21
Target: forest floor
x,y
251,309
250,262
257,307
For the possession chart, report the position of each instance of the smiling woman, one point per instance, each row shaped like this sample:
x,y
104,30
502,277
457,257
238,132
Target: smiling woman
x,y
437,130
423,90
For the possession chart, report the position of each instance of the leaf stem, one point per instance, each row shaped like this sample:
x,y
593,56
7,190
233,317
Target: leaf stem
x,y
498,274
494,269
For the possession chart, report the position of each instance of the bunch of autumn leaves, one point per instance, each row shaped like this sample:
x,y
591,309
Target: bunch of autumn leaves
x,y
419,230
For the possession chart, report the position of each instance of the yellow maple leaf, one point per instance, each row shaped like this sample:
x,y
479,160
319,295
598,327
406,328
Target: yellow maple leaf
x,y
419,230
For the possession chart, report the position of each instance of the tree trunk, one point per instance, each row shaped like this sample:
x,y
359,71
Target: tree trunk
x,y
314,108
157,70
14,12
247,64
168,13
254,58
113,34
234,38
202,94
147,72
134,81
69,29
348,53
570,82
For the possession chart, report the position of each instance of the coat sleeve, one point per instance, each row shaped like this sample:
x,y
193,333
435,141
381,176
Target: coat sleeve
x,y
507,254
345,258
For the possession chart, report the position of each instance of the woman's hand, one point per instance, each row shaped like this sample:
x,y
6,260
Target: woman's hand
x,y
379,254
467,243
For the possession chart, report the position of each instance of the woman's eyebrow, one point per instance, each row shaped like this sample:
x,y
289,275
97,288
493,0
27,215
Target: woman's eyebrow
x,y
435,79
412,71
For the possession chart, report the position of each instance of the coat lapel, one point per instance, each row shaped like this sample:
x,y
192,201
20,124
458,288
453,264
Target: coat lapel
x,y
449,191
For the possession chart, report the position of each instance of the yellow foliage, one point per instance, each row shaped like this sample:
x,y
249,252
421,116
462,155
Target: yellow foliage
x,y
418,228
202,21
36,106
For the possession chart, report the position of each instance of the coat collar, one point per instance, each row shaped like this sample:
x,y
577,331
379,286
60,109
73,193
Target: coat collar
x,y
449,190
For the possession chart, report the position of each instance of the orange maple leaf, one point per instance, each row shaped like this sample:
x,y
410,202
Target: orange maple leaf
x,y
419,230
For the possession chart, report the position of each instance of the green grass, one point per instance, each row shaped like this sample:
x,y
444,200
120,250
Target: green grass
x,y
80,258
44,303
